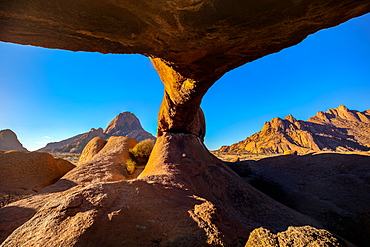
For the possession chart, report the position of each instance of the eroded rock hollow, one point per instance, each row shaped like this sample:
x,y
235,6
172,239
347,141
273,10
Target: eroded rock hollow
x,y
192,43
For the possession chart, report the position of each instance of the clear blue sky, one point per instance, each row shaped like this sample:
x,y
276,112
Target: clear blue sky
x,y
50,95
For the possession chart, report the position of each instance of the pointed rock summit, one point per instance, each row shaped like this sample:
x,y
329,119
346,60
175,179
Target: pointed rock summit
x,y
124,124
9,141
127,124
338,129
343,113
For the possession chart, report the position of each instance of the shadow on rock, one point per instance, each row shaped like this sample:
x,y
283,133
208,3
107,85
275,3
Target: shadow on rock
x,y
185,196
332,188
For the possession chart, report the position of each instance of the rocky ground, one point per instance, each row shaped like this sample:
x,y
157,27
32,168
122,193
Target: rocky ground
x,y
71,157
317,189
233,157
332,187
244,156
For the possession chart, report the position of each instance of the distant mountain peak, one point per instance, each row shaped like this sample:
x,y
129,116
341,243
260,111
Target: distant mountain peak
x,y
124,124
290,118
342,112
9,141
96,130
337,129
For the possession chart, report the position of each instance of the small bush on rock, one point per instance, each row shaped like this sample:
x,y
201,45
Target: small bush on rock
x,y
141,152
130,166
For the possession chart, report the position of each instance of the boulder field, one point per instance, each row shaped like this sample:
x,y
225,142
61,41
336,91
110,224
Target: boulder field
x,y
184,196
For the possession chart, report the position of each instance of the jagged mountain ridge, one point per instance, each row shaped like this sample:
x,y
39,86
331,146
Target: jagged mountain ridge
x,y
338,129
124,124
9,141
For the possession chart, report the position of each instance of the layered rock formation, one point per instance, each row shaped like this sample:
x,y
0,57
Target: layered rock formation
x,y
29,172
192,44
108,166
338,129
124,124
9,141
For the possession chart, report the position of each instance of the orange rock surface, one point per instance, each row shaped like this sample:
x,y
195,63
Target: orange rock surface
x,y
185,196
339,129
294,237
91,149
28,172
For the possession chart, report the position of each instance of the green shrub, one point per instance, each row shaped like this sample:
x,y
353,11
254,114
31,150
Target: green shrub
x,y
141,152
130,166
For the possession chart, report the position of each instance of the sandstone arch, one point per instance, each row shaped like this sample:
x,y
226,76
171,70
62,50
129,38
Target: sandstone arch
x,y
192,43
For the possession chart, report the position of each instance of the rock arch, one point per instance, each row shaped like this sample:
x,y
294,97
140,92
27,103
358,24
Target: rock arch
x,y
192,43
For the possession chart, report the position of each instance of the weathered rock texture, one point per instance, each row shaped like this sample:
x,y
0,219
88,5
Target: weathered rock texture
x,y
9,141
200,39
194,42
184,196
338,129
294,237
330,187
28,172
107,165
91,149
124,124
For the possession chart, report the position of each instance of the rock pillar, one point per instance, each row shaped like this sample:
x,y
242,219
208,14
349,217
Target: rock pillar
x,y
180,111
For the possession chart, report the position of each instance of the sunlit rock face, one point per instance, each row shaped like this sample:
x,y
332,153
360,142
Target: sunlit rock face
x,y
9,141
24,173
124,124
294,237
338,129
184,197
